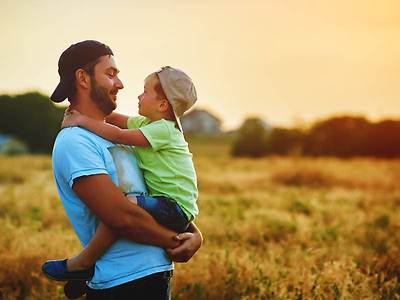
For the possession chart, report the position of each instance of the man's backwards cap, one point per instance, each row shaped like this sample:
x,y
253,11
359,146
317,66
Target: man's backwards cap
x,y
74,57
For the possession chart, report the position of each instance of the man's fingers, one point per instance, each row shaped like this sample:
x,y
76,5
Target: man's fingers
x,y
174,251
180,250
189,244
178,257
183,236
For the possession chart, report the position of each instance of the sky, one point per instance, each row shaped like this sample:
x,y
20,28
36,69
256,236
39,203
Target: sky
x,y
286,61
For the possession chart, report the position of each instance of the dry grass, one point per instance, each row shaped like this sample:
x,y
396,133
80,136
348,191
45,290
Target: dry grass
x,y
275,228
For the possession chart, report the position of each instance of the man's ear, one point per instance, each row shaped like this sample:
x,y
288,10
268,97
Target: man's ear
x,y
82,78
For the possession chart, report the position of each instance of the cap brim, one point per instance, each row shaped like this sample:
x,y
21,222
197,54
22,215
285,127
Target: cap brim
x,y
61,91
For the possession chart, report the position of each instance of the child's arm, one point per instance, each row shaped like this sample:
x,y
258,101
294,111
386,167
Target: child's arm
x,y
110,132
118,120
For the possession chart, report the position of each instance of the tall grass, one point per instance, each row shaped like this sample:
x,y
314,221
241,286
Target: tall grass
x,y
275,228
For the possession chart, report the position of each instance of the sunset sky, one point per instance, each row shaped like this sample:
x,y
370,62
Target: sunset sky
x,y
286,61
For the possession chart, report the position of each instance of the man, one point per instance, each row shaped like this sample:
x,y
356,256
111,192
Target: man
x,y
136,266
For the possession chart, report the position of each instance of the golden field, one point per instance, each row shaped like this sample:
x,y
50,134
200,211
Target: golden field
x,y
274,228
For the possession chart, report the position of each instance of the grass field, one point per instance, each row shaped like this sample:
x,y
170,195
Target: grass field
x,y
274,228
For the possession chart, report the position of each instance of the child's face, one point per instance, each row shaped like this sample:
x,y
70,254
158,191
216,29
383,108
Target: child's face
x,y
149,102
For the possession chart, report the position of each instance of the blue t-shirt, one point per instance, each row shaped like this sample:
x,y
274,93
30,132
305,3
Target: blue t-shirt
x,y
78,152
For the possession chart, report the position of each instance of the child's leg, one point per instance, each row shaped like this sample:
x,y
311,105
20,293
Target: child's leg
x,y
165,211
101,241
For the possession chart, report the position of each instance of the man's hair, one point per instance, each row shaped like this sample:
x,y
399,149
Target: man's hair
x,y
88,68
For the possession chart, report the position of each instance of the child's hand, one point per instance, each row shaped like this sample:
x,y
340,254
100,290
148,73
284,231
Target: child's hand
x,y
71,118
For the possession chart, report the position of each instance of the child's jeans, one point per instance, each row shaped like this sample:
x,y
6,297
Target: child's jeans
x,y
164,211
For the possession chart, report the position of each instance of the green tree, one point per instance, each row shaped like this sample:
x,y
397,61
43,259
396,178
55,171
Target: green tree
x,y
32,118
384,139
252,138
343,136
284,141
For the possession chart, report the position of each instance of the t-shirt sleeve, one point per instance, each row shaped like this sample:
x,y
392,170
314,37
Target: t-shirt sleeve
x,y
136,122
158,134
76,156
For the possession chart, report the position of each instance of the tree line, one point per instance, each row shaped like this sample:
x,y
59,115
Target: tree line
x,y
35,120
31,118
341,136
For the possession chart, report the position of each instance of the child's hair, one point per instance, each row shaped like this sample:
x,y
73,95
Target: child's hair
x,y
157,87
161,94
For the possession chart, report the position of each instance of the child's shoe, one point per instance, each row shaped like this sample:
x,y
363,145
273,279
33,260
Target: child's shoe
x,y
57,270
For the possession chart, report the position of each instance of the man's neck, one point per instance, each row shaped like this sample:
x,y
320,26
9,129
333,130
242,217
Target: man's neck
x,y
88,108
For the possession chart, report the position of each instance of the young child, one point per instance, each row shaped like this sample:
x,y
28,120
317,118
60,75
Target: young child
x,y
162,154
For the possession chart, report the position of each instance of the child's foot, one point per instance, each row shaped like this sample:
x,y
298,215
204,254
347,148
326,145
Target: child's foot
x,y
58,270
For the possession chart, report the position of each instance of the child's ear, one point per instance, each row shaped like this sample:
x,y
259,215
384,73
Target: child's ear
x,y
164,105
82,78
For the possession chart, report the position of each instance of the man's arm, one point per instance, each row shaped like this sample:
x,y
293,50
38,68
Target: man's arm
x,y
128,220
110,132
118,120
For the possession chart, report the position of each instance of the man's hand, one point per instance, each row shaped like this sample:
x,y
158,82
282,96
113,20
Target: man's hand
x,y
190,243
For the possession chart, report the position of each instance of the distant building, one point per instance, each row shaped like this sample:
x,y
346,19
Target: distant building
x,y
199,121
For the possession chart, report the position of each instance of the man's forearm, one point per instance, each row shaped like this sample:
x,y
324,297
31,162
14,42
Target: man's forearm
x,y
141,227
126,219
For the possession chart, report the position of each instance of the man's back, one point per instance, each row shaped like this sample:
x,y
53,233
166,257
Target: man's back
x,y
77,153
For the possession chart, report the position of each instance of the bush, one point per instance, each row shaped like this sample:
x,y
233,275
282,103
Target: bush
x,y
31,118
252,139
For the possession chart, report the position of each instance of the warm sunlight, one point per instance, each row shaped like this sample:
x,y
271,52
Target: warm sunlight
x,y
282,60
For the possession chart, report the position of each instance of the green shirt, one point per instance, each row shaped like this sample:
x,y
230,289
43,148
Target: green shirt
x,y
167,165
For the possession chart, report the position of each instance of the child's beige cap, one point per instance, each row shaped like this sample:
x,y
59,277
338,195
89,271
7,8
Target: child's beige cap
x,y
179,89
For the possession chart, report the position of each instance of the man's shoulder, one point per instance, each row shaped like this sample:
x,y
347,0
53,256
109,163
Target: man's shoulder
x,y
75,139
73,135
78,152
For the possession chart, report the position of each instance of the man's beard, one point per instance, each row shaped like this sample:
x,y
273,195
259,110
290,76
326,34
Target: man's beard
x,y
101,97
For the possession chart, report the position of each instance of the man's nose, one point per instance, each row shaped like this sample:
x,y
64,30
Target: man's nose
x,y
118,84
